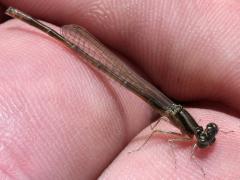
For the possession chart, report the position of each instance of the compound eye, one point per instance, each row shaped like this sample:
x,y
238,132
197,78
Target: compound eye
x,y
212,141
211,129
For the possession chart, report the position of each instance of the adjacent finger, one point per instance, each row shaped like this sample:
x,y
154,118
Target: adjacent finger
x,y
190,50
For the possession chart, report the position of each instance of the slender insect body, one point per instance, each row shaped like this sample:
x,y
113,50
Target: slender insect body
x,y
95,53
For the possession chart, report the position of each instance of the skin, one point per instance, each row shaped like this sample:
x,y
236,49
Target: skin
x,y
61,119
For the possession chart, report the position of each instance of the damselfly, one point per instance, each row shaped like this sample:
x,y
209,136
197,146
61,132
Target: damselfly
x,y
94,52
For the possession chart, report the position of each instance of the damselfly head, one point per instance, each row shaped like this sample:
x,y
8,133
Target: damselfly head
x,y
206,137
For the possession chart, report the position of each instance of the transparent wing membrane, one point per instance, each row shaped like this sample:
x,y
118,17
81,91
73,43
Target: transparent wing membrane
x,y
117,69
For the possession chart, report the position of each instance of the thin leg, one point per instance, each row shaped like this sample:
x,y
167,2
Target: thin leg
x,y
186,139
153,125
174,140
195,160
170,141
193,157
193,150
226,132
153,132
182,139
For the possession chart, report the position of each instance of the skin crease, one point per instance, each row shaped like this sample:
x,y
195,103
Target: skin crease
x,y
61,119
